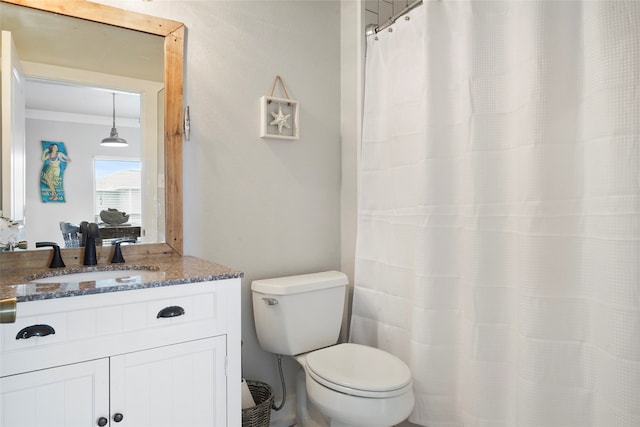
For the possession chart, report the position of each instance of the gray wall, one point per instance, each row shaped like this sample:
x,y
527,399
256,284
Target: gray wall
x,y
264,206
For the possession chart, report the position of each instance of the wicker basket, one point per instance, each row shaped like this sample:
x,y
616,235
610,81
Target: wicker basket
x,y
259,415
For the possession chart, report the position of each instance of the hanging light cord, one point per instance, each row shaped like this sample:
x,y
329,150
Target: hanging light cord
x,y
114,110
284,388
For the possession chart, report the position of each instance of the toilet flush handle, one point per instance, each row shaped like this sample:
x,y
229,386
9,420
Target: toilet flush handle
x,y
270,301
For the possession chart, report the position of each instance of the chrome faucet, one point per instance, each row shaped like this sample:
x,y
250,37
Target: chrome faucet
x,y
11,246
90,233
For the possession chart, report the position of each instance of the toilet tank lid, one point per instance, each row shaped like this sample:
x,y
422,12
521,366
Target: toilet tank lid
x,y
300,283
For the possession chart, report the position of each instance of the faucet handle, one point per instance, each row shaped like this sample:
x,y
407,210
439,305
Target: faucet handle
x,y
117,252
56,260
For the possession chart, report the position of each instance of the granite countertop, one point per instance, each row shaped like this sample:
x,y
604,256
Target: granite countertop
x,y
150,272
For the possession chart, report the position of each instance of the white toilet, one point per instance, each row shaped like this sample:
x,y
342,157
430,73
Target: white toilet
x,y
350,384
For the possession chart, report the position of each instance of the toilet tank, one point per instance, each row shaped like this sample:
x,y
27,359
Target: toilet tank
x,y
297,314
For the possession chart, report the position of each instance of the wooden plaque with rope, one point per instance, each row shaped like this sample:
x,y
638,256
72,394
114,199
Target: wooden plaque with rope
x,y
279,116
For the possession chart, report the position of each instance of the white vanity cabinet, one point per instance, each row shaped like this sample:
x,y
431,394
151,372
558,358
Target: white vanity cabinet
x,y
69,395
114,359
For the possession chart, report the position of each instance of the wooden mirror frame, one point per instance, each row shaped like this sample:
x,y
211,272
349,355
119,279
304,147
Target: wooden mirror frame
x,y
173,33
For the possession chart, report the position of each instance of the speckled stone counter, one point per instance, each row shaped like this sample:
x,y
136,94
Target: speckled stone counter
x,y
151,271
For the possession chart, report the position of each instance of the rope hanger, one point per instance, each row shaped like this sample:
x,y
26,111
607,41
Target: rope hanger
x,y
284,89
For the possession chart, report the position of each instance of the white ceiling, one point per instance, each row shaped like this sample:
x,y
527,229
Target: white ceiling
x,y
66,98
48,38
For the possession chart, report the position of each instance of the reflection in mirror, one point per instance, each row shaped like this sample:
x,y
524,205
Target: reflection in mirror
x,y
113,59
79,117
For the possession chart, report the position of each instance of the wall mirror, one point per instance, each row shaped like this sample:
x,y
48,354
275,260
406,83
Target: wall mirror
x,y
124,57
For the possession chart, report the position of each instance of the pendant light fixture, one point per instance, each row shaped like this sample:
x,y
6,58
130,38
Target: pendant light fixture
x,y
114,140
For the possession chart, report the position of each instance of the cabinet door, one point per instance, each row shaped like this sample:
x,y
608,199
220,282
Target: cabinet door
x,y
174,386
66,396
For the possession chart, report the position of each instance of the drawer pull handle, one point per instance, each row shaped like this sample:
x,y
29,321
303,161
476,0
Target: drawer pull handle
x,y
35,331
173,311
118,417
102,421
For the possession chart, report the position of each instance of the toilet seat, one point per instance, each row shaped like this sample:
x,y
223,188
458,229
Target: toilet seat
x,y
359,370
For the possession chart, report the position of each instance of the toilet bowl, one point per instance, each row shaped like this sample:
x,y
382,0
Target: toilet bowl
x,y
349,384
356,385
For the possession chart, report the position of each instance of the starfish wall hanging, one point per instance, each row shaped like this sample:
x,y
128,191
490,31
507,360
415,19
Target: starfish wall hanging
x,y
279,118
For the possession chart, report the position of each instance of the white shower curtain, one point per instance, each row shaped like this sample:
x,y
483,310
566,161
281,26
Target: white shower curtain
x,y
498,225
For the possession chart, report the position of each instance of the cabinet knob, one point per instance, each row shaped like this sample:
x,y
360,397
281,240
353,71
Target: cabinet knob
x,y
118,417
102,421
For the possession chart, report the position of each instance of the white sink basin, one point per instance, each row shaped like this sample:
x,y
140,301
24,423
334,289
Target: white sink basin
x,y
89,276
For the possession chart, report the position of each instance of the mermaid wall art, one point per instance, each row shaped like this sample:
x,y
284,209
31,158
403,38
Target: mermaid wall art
x,y
54,163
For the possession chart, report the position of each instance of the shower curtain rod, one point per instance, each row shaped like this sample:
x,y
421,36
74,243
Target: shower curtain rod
x,y
373,29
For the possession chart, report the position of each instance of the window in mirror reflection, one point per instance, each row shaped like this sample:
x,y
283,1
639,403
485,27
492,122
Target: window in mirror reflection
x,y
118,187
